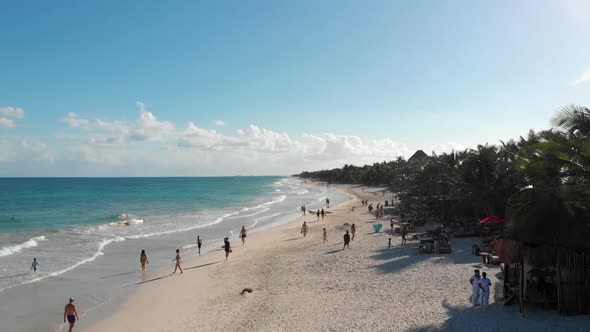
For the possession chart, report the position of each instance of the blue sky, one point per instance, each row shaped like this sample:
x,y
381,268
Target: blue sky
x,y
298,84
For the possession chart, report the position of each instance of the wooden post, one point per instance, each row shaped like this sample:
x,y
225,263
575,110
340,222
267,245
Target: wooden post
x,y
522,287
559,295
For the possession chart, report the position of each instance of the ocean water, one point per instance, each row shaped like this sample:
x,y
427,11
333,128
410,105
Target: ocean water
x,y
86,233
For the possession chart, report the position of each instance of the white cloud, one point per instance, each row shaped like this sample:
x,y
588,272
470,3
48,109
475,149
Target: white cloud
x,y
584,78
440,148
25,150
13,112
220,123
6,123
73,120
146,128
104,149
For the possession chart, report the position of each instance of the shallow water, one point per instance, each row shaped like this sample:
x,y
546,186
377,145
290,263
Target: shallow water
x,y
87,233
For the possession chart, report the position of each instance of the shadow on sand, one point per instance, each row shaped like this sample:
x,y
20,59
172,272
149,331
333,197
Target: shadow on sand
x,y
400,257
118,275
497,317
202,265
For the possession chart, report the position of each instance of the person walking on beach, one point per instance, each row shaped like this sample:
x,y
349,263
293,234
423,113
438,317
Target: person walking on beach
x,y
323,214
404,232
177,259
318,214
199,244
71,314
353,230
391,225
325,236
346,240
304,229
226,247
143,259
474,281
34,265
484,287
243,235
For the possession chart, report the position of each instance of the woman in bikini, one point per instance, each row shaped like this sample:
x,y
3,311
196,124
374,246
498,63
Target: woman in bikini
x,y
143,259
177,258
243,235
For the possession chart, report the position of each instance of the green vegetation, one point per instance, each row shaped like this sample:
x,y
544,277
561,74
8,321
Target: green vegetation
x,y
540,183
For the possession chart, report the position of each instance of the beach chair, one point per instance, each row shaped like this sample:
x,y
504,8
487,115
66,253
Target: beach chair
x,y
426,247
444,247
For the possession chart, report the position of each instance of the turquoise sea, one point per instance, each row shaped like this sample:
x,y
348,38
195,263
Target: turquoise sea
x,y
86,233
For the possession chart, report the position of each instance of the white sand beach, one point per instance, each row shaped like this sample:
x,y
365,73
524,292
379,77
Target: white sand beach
x,y
302,284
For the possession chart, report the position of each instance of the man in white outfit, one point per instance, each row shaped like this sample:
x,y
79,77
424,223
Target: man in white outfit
x,y
484,285
474,281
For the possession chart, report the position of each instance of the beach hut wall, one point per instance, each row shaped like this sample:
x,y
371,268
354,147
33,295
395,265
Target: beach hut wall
x,y
573,282
509,251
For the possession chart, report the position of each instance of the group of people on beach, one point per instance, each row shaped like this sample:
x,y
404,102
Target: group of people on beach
x,y
379,211
347,236
480,289
143,259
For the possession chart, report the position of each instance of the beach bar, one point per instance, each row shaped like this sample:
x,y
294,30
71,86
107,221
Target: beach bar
x,y
555,276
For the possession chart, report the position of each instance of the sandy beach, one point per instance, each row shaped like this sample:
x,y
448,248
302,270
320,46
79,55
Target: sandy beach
x,y
302,284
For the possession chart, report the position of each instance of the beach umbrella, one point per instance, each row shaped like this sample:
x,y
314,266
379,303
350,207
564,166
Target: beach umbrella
x,y
492,220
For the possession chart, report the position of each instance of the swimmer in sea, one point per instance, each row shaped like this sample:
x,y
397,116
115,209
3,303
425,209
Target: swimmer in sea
x,y
177,259
34,265
71,314
199,244
143,259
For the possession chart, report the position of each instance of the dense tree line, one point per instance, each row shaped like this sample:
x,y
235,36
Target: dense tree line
x,y
541,182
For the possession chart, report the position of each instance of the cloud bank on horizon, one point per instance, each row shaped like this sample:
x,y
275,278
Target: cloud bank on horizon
x,y
149,146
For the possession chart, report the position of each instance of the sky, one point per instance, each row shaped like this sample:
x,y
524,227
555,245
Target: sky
x,y
208,88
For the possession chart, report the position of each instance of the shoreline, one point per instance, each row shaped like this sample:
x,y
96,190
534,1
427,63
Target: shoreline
x,y
302,284
205,263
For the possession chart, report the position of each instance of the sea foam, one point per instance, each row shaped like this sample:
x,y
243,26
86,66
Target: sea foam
x,y
11,250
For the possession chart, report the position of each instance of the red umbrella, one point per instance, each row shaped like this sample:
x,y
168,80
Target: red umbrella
x,y
492,220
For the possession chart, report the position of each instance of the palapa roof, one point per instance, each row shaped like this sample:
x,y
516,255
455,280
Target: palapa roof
x,y
418,156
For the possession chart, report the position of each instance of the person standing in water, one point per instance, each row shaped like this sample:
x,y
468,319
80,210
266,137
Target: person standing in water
x,y
304,229
34,265
325,236
243,235
71,314
353,230
226,247
199,244
322,213
346,240
327,202
177,259
143,259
